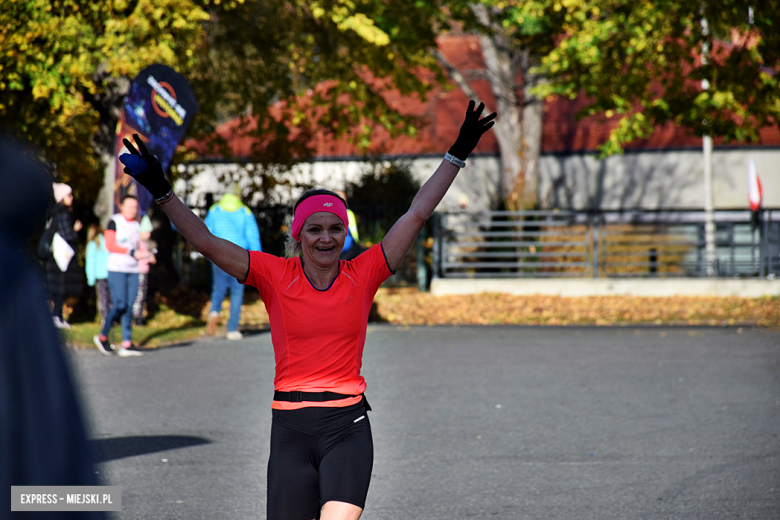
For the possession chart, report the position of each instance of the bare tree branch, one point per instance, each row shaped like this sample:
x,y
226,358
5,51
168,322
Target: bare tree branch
x,y
473,75
456,76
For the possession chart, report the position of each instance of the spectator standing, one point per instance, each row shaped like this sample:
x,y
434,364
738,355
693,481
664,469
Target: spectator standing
x,y
123,242
231,220
63,283
143,270
96,265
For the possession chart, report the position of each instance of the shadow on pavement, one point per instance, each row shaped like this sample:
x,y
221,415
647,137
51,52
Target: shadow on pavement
x,y
122,447
192,324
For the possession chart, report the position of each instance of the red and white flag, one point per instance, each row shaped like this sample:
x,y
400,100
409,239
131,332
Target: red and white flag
x,y
754,187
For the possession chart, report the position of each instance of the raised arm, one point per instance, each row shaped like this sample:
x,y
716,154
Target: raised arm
x,y
146,169
401,236
229,257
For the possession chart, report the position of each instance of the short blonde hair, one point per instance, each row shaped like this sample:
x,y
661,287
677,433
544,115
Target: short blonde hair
x,y
292,247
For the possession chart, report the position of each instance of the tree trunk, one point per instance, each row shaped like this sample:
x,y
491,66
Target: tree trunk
x,y
501,73
508,127
518,128
533,114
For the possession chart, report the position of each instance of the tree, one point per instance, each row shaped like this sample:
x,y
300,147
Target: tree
x,y
656,50
289,69
540,48
300,68
384,191
64,66
511,48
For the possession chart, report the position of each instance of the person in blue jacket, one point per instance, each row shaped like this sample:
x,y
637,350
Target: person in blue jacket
x,y
231,220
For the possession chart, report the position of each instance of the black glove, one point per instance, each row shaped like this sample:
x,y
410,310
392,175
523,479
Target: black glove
x,y
471,130
145,168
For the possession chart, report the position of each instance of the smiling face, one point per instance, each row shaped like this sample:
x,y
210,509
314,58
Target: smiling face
x,y
322,239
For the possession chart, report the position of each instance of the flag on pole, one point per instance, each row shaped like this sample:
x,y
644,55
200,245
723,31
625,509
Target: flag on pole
x,y
754,187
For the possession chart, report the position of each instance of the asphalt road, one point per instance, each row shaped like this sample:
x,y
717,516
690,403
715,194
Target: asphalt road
x,y
469,422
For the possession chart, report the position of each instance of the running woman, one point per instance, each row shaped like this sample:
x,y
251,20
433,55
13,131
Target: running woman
x,y
321,446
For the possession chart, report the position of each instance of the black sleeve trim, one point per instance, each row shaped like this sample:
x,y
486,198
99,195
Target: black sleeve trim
x,y
382,246
111,225
248,266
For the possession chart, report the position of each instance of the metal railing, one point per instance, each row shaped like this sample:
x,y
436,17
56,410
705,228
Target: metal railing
x,y
604,244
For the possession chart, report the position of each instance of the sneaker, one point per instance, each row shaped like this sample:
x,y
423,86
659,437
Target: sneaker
x,y
211,327
234,335
103,345
128,352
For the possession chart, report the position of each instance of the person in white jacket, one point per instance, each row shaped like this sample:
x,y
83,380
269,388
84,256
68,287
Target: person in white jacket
x,y
123,242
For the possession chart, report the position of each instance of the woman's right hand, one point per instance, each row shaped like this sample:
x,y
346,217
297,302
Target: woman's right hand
x,y
145,168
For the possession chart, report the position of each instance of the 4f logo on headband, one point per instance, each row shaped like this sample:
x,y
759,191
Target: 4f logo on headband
x,y
328,204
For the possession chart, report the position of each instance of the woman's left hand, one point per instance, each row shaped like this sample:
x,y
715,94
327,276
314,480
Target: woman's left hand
x,y
77,226
471,131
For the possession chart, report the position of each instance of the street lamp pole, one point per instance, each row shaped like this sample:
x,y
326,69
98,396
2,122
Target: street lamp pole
x,y
709,206
709,199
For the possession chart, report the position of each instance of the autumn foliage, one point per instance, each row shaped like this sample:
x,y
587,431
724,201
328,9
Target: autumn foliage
x,y
411,307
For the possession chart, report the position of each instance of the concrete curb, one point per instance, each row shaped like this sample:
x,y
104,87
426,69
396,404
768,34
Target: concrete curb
x,y
751,288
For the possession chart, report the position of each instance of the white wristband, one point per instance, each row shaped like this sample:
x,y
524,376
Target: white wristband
x,y
454,160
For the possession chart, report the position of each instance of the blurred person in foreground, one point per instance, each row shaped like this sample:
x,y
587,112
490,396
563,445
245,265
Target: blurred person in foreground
x,y
62,283
230,220
123,241
42,434
322,450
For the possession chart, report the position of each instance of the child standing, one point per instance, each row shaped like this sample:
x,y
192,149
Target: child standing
x,y
97,269
147,258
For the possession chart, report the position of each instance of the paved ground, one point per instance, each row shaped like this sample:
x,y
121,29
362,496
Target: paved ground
x,y
469,422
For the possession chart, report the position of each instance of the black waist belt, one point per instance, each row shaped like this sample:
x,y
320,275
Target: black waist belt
x,y
297,397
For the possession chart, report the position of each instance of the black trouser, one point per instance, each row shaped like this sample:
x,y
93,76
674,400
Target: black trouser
x,y
318,454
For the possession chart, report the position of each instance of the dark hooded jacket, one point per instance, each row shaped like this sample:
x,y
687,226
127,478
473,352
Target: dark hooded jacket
x,y
43,438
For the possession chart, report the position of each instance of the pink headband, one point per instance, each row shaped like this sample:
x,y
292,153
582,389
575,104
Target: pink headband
x,y
315,204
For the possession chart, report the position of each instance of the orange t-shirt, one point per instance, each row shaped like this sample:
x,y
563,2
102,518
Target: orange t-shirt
x,y
318,336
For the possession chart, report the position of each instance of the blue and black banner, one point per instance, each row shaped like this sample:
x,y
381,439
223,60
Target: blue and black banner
x,y
158,107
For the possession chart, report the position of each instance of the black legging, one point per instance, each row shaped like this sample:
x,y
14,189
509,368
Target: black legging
x,y
318,455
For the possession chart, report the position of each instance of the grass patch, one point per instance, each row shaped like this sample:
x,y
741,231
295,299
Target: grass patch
x,y
167,327
80,336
